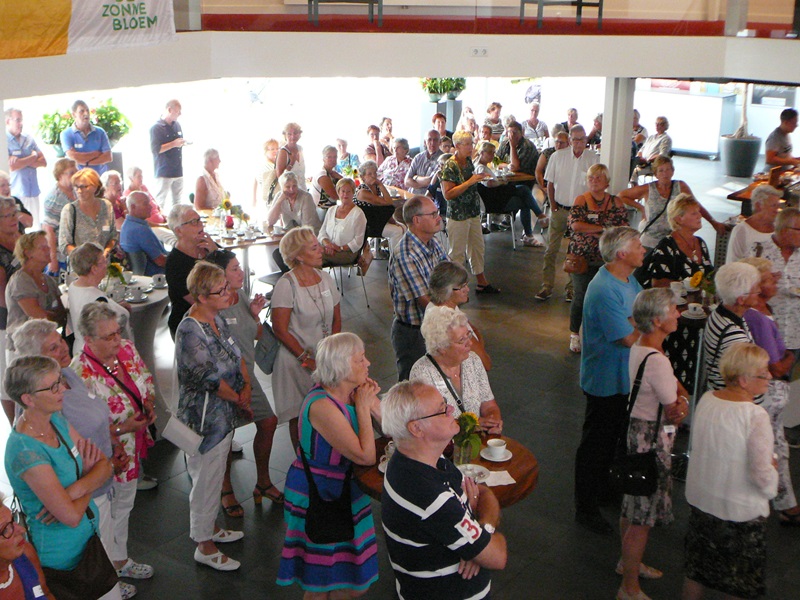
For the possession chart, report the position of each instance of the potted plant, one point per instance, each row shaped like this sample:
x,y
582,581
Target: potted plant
x,y
739,151
106,116
50,128
455,85
467,442
434,87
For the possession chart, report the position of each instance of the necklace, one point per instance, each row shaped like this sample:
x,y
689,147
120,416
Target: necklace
x,y
10,578
112,370
319,303
32,430
692,245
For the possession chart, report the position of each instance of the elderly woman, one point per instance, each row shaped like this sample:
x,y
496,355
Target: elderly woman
x,y
290,156
293,205
464,235
19,564
346,160
25,217
242,317
267,179
87,412
214,387
757,228
535,129
379,151
386,125
766,335
62,194
136,184
342,233
323,188
393,170
112,370
336,433
9,234
112,191
591,214
30,294
90,218
305,309
453,369
449,286
376,202
494,121
193,244
90,265
681,254
731,478
656,316
54,471
208,190
738,287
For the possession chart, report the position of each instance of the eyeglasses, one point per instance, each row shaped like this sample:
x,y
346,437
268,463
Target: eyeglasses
x,y
195,221
442,412
53,389
580,139
461,287
110,336
81,186
221,292
429,214
9,215
8,529
463,341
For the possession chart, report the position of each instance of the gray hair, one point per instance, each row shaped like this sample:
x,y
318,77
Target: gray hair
x,y
333,358
29,338
413,207
286,177
177,215
134,198
25,374
444,277
401,142
327,149
92,314
131,172
399,406
6,202
576,129
5,175
785,219
84,257
763,192
614,240
742,360
651,304
108,175
436,326
209,154
368,165
735,280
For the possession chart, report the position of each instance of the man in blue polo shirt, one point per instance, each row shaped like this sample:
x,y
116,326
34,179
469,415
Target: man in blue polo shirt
x,y
440,526
137,236
24,157
85,143
166,143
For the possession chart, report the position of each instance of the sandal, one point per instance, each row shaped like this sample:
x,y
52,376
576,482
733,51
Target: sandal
x,y
259,493
234,511
645,572
788,519
487,289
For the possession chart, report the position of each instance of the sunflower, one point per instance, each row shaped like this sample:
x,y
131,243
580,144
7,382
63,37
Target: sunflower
x,y
696,279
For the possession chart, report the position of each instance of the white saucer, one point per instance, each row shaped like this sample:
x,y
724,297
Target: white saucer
x,y
485,454
692,289
697,317
130,300
478,472
680,301
159,287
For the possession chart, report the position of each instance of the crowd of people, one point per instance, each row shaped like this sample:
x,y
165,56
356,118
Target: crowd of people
x,y
81,400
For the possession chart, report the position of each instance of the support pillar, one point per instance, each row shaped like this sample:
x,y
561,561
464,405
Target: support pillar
x,y
615,151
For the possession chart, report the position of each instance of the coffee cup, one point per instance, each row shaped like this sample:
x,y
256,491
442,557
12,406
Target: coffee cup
x,y
695,309
496,448
677,288
117,294
159,280
687,283
136,294
128,275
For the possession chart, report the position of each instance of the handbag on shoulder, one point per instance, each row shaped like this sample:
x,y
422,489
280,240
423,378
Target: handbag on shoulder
x,y
328,521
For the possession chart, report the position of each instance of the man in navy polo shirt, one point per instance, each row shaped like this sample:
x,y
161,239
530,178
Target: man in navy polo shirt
x,y
166,143
24,157
137,236
439,525
85,143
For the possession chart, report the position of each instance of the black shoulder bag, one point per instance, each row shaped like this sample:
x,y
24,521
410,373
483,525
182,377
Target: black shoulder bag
x,y
328,521
635,474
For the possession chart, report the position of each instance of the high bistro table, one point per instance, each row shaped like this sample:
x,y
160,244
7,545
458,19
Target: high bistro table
x,y
522,466
244,244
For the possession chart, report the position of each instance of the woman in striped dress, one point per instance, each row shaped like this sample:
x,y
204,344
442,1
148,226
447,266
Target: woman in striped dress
x,y
335,432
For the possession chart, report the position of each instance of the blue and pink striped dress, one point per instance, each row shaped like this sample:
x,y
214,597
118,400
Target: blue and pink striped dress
x,y
325,567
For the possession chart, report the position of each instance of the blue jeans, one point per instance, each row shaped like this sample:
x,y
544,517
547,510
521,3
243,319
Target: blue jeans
x,y
524,201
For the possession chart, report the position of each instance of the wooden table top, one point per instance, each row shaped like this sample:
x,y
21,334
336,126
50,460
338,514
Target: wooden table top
x,y
522,466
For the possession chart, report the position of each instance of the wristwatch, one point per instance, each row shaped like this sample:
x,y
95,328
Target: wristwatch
x,y
489,527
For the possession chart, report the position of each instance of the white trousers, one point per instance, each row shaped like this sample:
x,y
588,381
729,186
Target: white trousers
x,y
169,186
207,471
122,499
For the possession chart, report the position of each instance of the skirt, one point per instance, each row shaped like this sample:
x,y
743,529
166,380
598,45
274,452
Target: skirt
x,y
725,555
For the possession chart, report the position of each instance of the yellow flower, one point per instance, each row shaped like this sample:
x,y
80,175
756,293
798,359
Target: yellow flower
x,y
226,204
114,268
696,279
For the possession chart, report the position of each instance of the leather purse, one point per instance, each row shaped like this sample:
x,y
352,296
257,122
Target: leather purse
x,y
575,264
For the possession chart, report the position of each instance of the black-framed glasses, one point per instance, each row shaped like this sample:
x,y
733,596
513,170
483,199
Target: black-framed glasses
x,y
195,221
8,529
441,412
222,291
53,389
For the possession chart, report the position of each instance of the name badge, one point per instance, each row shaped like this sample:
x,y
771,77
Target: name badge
x,y
180,134
37,591
75,451
106,228
79,145
326,293
669,429
231,320
231,341
592,217
16,153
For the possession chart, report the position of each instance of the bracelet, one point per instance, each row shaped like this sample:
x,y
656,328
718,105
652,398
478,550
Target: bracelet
x,y
303,356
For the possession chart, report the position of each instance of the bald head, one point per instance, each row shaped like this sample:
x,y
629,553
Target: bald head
x,y
139,205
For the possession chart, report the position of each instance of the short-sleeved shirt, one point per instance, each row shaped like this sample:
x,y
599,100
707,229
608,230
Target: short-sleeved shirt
x,y
468,204
742,239
765,333
659,384
21,285
54,203
423,165
780,142
533,133
410,268
169,163
24,182
669,262
177,269
136,235
430,528
567,173
526,151
76,227
475,388
606,309
785,304
95,141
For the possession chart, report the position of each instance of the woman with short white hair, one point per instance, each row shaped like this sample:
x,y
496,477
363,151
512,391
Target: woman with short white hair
x,y
208,191
293,205
758,227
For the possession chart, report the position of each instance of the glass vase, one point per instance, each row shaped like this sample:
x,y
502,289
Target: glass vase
x,y
462,453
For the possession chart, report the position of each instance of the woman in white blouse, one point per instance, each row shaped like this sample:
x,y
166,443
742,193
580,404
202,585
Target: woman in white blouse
x,y
758,227
342,233
732,476
293,206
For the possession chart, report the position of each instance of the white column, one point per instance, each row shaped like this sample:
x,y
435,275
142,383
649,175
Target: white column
x,y
615,151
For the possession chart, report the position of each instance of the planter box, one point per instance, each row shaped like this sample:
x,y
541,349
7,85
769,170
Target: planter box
x,y
739,155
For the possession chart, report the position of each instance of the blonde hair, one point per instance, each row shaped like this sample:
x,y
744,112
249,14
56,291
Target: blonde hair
x,y
293,243
203,278
764,265
25,244
742,360
678,206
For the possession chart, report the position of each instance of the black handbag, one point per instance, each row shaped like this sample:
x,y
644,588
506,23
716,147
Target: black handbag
x,y
267,348
328,521
634,474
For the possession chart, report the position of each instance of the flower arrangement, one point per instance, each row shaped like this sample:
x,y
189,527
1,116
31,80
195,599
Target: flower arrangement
x,y
705,282
467,442
455,84
227,205
106,116
51,126
114,269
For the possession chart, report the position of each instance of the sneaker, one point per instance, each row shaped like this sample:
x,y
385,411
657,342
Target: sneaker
x,y
236,447
574,343
134,570
126,590
530,240
544,293
485,230
568,296
544,222
146,482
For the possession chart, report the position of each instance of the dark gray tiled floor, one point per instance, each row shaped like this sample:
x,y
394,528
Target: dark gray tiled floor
x,y
535,381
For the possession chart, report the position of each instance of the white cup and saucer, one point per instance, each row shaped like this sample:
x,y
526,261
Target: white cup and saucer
x,y
135,295
159,281
694,311
496,451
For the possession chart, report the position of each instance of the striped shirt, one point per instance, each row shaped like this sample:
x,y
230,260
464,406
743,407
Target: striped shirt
x,y
723,330
429,529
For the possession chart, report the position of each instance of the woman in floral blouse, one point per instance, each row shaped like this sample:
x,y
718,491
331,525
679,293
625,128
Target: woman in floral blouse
x,y
393,170
112,369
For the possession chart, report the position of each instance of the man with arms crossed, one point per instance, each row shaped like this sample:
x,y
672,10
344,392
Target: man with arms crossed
x,y
85,143
24,157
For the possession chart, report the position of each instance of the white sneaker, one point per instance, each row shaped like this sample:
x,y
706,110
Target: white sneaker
x,y
575,343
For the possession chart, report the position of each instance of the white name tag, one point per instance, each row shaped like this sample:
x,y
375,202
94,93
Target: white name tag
x,y
592,217
75,451
231,320
231,341
16,153
37,591
326,293
669,429
54,304
79,145
106,227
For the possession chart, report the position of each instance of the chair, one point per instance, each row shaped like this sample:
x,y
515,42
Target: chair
x,y
313,7
138,262
495,199
598,4
349,266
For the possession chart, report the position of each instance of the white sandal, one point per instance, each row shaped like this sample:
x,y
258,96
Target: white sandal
x,y
215,561
223,536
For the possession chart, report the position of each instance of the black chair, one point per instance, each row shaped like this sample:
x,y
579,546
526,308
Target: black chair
x,y
313,9
496,199
598,4
138,262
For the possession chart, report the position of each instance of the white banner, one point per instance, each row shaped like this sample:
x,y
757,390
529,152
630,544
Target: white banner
x,y
106,24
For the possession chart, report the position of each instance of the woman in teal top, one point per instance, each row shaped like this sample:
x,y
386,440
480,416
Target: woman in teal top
x,y
40,465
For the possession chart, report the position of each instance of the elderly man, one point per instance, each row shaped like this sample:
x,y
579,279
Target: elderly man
x,y
658,144
410,266
166,143
566,180
136,235
424,166
85,143
608,334
440,526
778,146
758,227
24,157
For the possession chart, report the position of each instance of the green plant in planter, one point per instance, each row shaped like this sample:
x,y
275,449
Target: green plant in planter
x,y
51,126
111,120
456,84
433,85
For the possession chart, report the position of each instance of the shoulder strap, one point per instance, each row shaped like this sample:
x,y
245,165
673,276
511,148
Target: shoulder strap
x,y
654,219
447,383
74,220
622,439
89,512
720,337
